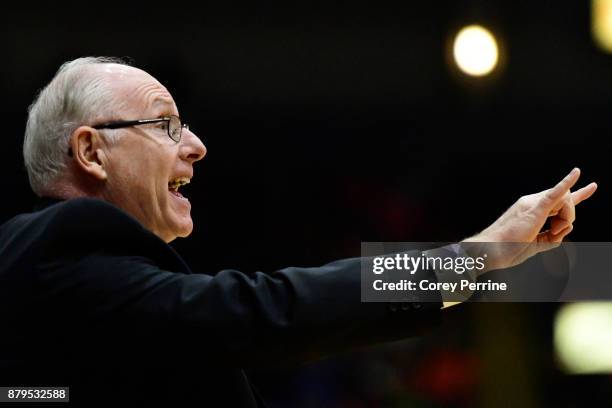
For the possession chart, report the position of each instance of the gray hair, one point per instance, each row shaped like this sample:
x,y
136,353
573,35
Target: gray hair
x,y
74,97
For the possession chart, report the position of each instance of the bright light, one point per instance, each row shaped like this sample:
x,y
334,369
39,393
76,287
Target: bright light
x,y
601,23
583,337
475,50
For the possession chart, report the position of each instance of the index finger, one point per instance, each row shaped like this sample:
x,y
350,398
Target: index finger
x,y
556,193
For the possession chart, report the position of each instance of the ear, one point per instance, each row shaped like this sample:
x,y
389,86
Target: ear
x,y
86,149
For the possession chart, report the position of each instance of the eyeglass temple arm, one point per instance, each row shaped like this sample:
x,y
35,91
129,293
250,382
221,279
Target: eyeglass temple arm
x,y
127,123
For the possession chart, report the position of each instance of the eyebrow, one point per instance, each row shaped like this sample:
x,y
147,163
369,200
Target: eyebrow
x,y
162,100
167,103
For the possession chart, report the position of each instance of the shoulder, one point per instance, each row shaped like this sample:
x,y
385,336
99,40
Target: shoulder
x,y
80,221
82,226
78,216
85,207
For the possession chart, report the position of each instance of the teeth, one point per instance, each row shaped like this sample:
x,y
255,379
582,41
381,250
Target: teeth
x,y
178,182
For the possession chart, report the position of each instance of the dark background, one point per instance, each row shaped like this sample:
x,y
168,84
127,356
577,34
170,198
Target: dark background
x,y
335,124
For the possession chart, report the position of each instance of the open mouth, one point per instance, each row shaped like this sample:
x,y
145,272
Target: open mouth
x,y
175,184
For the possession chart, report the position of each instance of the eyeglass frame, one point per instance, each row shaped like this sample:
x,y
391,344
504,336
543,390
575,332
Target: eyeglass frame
x,y
118,124
136,122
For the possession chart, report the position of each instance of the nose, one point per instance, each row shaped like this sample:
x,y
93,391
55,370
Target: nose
x,y
192,149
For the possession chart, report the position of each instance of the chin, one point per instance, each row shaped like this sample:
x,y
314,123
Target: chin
x,y
185,234
179,225
184,229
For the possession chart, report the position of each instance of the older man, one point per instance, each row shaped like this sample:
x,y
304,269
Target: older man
x,y
92,296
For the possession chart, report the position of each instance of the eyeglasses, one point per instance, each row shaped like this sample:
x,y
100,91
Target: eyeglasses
x,y
174,126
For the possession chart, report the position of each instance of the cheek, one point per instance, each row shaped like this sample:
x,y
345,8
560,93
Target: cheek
x,y
146,172
146,177
137,184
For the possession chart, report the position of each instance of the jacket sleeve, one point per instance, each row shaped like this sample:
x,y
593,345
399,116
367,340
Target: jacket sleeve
x,y
293,314
125,303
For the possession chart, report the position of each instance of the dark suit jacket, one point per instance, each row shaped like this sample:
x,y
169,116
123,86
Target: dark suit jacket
x,y
92,300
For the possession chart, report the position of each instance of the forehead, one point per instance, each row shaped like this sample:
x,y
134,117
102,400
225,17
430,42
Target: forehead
x,y
138,91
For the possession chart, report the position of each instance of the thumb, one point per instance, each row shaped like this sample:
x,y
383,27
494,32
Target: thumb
x,y
547,240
